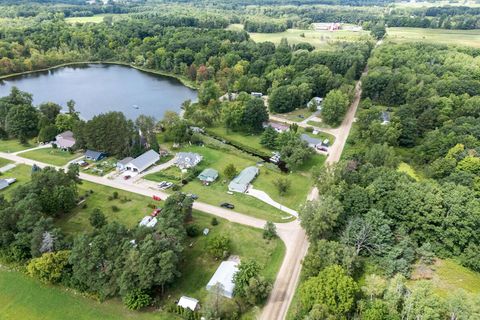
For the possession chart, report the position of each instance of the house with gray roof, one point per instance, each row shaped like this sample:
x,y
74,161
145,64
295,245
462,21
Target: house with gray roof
x,y
122,164
312,142
94,155
65,140
241,182
187,160
142,162
208,175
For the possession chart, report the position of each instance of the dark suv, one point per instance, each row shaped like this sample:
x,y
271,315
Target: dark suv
x,y
227,205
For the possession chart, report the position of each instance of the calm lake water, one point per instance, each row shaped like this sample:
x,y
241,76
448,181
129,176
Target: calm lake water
x,y
99,88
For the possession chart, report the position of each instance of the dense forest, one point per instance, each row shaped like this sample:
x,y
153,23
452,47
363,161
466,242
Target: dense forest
x,y
371,216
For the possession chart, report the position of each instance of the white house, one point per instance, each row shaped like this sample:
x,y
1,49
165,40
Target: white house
x,y
144,161
65,140
122,164
279,127
224,277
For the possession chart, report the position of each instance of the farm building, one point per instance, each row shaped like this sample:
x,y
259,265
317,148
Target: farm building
x,y
243,180
186,160
224,276
94,155
208,175
122,164
65,140
142,162
188,303
312,142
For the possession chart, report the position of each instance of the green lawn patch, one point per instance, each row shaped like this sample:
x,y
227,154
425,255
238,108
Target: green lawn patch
x,y
131,207
322,39
22,173
247,141
449,276
216,193
318,124
246,242
22,298
4,162
56,157
297,115
102,167
438,36
13,145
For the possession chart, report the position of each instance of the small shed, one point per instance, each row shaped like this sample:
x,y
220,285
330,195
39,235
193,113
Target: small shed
x,y
208,175
317,102
243,180
142,162
188,303
122,164
3,184
385,117
186,160
224,277
94,155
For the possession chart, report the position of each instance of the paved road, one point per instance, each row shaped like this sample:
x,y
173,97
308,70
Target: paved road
x,y
289,275
291,233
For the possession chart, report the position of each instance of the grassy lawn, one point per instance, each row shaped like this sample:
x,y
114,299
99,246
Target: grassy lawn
x,y
216,193
197,267
251,141
12,145
4,162
318,124
448,276
22,297
101,167
440,36
319,39
22,173
297,115
56,157
131,207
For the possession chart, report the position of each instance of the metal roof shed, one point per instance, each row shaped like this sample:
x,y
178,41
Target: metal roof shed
x,y
242,181
144,161
224,276
188,303
208,175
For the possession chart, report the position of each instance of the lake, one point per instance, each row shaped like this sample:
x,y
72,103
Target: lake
x,y
99,88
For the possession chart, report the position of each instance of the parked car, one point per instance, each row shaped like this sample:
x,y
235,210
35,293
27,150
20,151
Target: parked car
x,y
162,184
227,205
322,148
193,196
165,185
82,163
126,177
156,212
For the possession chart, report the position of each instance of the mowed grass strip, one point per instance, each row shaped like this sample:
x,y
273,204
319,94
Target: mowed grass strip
x,y
56,157
13,145
24,298
4,162
439,36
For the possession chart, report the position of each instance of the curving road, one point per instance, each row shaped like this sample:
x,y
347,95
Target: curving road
x,y
291,233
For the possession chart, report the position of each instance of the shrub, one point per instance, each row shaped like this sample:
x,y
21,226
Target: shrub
x,y
219,247
115,208
230,171
269,230
283,185
50,267
83,206
137,299
309,129
214,221
110,198
176,187
193,230
115,195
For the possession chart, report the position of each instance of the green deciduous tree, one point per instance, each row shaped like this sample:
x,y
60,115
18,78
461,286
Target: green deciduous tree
x,y
320,217
333,290
50,267
334,107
